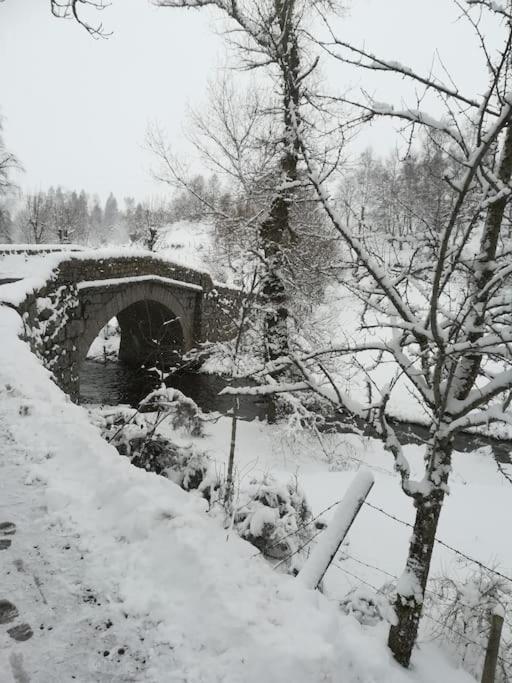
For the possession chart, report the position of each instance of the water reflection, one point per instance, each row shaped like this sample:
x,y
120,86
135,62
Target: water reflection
x,y
114,383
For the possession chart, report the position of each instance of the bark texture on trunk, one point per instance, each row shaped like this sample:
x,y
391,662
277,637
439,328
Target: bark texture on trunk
x,y
410,595
275,231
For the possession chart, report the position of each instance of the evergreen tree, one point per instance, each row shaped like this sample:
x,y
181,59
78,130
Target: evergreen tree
x,y
111,215
96,222
6,225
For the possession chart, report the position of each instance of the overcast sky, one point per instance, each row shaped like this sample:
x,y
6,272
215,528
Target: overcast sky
x,y
76,110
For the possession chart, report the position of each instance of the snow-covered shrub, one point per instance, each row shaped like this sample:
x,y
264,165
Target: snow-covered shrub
x,y
305,432
368,606
133,434
171,404
188,467
276,518
122,427
222,358
461,616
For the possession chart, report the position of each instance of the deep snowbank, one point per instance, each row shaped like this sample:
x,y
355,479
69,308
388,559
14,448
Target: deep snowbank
x,y
150,547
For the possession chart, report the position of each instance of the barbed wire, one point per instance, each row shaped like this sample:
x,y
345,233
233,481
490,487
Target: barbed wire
x,y
294,531
439,596
463,636
442,543
297,550
467,557
427,615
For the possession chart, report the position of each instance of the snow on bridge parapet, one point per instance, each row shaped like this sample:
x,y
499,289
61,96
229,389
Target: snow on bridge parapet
x,y
64,308
114,282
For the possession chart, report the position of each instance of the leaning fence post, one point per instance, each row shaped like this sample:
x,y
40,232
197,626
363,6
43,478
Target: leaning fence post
x,y
323,554
493,646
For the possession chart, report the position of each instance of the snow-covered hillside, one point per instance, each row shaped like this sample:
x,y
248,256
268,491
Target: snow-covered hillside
x,y
188,243
122,576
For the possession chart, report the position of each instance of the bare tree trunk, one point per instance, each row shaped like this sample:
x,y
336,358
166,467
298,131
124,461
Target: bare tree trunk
x,y
228,496
273,235
410,595
276,230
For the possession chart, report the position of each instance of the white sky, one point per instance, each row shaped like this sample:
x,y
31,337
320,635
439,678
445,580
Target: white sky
x,y
76,109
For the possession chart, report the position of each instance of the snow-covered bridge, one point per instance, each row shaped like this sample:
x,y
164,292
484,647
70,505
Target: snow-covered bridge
x,y
163,308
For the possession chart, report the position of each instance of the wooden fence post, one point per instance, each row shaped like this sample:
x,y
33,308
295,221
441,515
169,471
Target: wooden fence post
x,y
323,554
493,646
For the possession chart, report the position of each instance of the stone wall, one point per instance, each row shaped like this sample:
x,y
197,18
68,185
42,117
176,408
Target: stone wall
x,y
60,318
219,314
82,270
52,327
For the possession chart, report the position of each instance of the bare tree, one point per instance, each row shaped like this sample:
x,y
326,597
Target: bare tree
x,y
271,35
8,163
71,9
35,217
447,318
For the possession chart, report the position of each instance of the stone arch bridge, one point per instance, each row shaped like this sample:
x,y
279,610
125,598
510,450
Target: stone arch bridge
x,y
163,309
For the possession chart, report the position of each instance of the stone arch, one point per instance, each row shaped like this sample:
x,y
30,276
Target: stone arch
x,y
101,305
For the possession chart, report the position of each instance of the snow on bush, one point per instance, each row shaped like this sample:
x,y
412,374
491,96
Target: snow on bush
x,y
273,516
302,417
122,427
276,518
134,432
171,404
369,607
462,610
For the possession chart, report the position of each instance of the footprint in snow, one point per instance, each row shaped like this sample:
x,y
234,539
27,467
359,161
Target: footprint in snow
x,y
8,613
6,529
20,632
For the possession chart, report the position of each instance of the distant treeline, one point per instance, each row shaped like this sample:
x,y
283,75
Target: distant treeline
x,y
63,216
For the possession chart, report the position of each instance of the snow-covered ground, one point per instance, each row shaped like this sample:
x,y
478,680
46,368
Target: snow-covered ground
x,y
187,243
375,538
122,576
106,345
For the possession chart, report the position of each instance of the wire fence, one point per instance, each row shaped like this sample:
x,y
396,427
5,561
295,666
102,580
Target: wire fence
x,y
442,543
368,565
403,522
427,615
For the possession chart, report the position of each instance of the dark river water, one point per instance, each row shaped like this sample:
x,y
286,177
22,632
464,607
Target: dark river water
x,y
113,383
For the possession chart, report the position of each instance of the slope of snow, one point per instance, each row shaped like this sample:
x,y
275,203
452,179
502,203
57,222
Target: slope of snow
x,y
187,243
183,600
374,538
193,244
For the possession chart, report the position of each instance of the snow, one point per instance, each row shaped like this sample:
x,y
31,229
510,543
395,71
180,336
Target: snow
x,y
375,538
112,282
34,271
187,243
263,515
106,345
186,600
317,563
153,554
409,586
